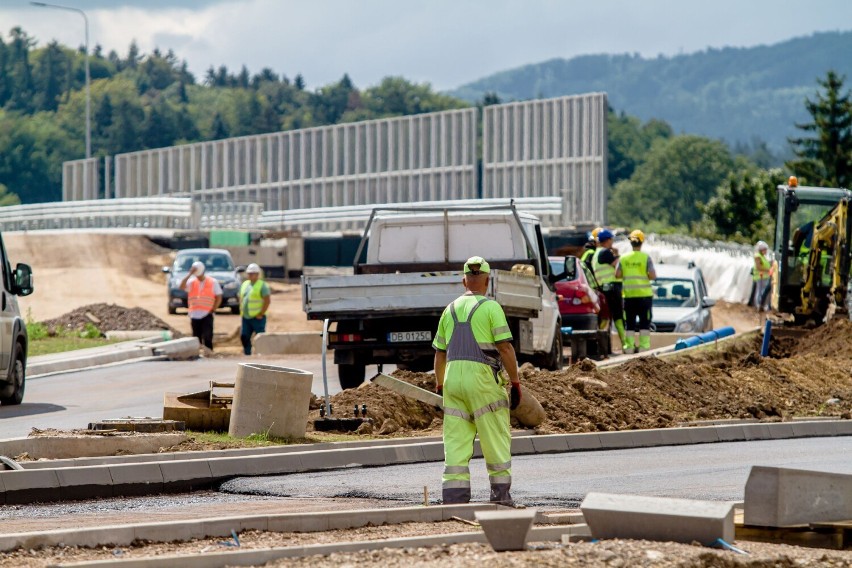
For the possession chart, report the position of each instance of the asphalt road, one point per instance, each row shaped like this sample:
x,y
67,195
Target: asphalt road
x,y
72,400
706,471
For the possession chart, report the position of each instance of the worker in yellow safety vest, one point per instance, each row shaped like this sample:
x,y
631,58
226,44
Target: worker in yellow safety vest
x,y
254,302
761,274
473,356
203,297
604,264
591,246
637,270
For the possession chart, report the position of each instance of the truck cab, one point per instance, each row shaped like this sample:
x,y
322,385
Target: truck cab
x,y
408,269
13,330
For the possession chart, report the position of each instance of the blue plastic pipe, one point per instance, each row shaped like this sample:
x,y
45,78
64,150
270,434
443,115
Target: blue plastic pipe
x,y
567,331
767,335
706,337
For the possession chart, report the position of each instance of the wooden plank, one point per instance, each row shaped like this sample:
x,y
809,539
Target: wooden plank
x,y
829,536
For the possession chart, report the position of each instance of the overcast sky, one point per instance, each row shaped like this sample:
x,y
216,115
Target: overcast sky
x,y
443,42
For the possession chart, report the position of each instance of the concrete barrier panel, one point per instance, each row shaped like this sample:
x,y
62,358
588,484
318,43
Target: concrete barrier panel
x,y
270,399
84,482
308,342
186,475
30,486
657,518
183,349
136,479
550,444
777,497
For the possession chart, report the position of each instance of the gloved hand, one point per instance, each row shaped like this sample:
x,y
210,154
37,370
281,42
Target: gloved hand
x,y
515,396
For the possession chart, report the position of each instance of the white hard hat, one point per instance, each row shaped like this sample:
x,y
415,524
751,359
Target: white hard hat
x,y
252,269
199,267
761,246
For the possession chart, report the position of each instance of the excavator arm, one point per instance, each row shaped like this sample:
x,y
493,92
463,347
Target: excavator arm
x,y
828,263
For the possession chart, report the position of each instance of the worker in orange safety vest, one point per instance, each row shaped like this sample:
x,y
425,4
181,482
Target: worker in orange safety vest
x,y
204,295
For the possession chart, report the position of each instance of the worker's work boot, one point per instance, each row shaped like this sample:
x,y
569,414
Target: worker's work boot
x,y
645,341
628,346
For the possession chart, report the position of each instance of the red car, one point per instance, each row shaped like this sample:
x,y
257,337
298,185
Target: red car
x,y
580,307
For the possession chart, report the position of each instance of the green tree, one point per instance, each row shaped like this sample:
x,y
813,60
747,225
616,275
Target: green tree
x,y
825,157
743,208
665,191
628,143
7,197
51,75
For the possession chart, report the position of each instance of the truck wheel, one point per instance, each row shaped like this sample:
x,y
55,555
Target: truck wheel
x,y
351,376
553,360
172,310
14,393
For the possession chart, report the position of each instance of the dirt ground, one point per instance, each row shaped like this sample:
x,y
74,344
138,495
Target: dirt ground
x,y
79,269
610,554
802,377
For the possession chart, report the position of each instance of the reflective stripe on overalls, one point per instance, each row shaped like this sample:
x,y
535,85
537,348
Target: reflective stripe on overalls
x,y
475,401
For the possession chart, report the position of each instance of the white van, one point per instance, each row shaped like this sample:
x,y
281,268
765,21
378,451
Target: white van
x,y
13,329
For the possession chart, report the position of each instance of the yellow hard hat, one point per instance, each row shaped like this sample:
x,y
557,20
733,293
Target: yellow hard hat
x,y
637,235
595,232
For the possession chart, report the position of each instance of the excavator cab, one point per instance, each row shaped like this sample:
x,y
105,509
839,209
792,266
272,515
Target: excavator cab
x,y
812,237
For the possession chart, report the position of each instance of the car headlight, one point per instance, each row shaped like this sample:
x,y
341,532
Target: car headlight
x,y
687,325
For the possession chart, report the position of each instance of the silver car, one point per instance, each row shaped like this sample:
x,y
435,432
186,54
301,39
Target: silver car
x,y
681,303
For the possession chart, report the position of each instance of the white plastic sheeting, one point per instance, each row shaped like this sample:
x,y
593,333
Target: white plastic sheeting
x,y
726,266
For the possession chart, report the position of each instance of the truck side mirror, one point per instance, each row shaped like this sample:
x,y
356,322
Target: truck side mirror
x,y
23,280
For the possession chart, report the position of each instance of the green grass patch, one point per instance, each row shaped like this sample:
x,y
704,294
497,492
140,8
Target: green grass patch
x,y
264,439
60,344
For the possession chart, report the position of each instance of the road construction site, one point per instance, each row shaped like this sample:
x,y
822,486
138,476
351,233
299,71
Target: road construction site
x,y
796,401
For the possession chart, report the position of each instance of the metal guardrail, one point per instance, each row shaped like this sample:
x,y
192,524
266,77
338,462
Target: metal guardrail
x,y
179,213
174,213
333,218
162,213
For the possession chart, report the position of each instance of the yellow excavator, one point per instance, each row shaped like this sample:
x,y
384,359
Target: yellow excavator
x,y
812,237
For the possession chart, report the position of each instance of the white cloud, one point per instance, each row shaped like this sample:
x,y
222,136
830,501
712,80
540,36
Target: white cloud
x,y
445,42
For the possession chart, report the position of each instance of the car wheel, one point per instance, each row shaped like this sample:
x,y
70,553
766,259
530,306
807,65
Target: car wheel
x,y
351,376
14,392
553,360
172,310
235,310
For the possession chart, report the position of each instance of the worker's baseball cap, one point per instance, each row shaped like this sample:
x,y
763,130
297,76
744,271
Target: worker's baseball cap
x,y
252,269
475,265
604,235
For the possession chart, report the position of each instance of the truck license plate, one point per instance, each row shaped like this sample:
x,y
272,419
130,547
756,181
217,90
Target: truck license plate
x,y
406,336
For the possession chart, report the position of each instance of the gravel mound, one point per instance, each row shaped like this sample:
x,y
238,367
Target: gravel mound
x,y
109,317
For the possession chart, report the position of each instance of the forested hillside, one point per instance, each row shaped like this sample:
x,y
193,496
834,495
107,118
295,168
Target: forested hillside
x,y
736,94
152,100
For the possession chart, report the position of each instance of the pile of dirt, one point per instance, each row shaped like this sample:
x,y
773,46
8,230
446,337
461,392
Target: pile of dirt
x,y
109,317
802,377
391,413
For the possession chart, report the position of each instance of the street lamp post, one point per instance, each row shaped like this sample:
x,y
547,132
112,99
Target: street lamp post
x,y
88,80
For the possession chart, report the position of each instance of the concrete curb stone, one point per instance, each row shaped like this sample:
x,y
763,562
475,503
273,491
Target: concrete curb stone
x,y
76,484
189,473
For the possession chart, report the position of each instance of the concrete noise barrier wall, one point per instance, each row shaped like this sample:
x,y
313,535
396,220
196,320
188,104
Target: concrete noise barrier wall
x,y
777,497
270,399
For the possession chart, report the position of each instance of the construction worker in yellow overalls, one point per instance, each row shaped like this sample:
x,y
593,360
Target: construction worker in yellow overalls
x,y
637,270
473,355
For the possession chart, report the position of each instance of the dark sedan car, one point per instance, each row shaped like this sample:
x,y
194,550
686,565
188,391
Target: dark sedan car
x,y
217,264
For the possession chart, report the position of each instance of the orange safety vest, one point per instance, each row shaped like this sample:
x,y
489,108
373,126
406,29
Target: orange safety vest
x,y
201,296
